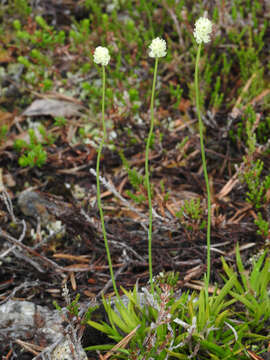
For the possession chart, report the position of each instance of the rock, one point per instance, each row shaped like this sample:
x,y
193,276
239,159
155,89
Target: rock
x,y
63,352
27,321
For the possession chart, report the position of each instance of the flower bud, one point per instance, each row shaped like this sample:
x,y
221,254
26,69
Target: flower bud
x,y
101,56
157,48
202,31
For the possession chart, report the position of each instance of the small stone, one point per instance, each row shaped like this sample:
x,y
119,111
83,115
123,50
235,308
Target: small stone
x,y
63,352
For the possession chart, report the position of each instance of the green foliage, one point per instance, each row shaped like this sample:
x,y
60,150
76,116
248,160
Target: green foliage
x,y
80,32
135,179
44,37
263,130
257,187
57,307
122,319
73,307
263,225
36,156
252,290
250,127
176,94
139,199
191,214
22,7
216,96
191,208
42,41
248,61
180,326
60,121
3,133
166,194
33,151
170,278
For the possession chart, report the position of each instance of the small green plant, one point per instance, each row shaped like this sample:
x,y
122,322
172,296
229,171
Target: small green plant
x,y
33,151
157,50
216,95
39,37
192,208
252,291
256,131
165,194
102,57
72,306
176,94
3,133
136,180
191,215
202,32
80,32
264,130
251,138
217,326
34,156
60,121
257,187
22,7
263,225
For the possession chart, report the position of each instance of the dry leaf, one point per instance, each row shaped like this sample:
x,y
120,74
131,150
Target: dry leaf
x,y
53,107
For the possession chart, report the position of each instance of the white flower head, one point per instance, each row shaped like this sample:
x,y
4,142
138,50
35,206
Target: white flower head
x,y
157,48
101,56
203,29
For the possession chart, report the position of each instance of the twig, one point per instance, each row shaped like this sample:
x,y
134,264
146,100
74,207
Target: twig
x,y
29,347
6,198
116,193
24,285
120,244
121,345
111,187
43,258
49,349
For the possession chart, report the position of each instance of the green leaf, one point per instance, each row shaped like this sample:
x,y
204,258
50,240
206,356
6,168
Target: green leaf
x,y
255,276
213,348
215,308
177,355
229,273
203,315
104,347
251,306
97,326
241,268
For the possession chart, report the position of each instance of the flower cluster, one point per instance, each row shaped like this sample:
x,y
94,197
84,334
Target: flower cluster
x,y
101,56
203,29
157,48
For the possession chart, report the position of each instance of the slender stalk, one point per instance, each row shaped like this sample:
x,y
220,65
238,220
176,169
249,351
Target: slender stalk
x,y
204,165
147,177
98,184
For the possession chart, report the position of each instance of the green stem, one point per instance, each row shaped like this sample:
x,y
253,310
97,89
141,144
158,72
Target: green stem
x,y
147,177
204,165
98,184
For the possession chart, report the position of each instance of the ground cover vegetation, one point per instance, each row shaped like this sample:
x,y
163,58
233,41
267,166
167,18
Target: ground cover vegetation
x,y
134,158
